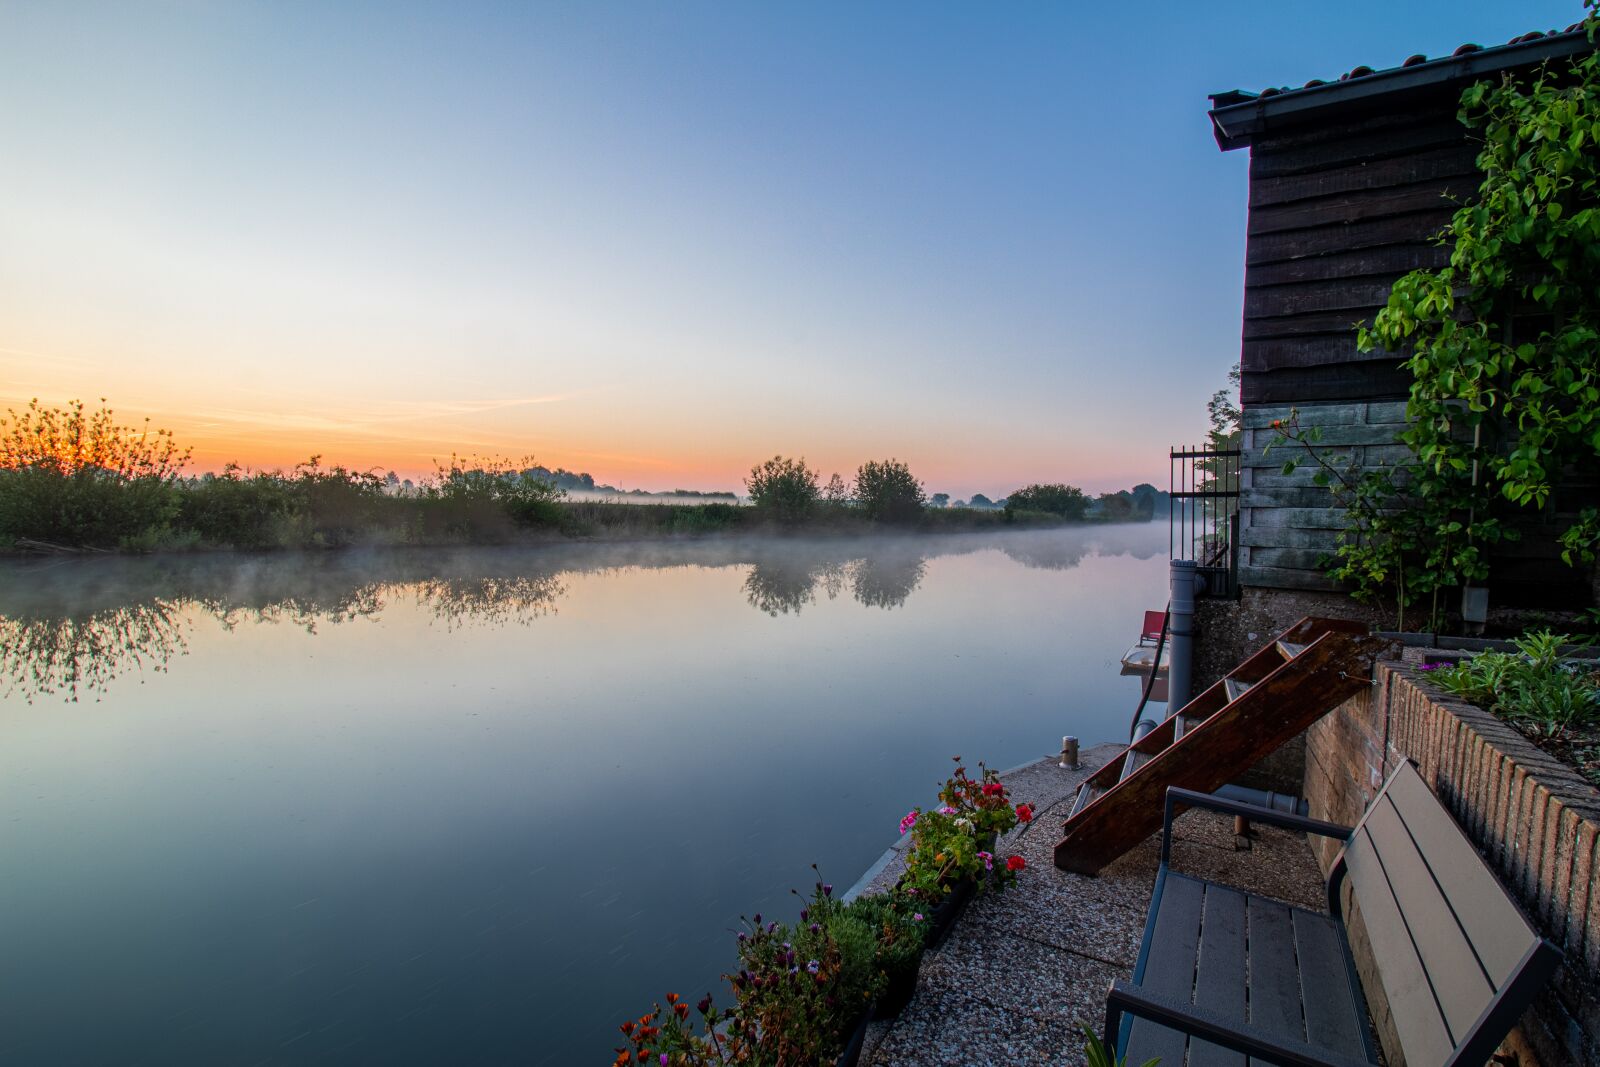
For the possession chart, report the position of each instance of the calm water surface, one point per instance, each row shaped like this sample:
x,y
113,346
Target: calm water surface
x,y
481,806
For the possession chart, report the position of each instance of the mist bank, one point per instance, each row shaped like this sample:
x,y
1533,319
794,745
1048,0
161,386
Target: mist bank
x,y
67,627
316,510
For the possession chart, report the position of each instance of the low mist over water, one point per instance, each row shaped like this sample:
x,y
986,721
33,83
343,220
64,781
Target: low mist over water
x,y
432,807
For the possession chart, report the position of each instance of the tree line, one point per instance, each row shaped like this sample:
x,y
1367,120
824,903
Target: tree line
x,y
72,479
791,493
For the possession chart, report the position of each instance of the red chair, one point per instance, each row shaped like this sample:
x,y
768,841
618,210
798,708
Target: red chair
x,y
1152,627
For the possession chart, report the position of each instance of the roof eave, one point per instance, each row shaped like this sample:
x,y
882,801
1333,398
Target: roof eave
x,y
1238,121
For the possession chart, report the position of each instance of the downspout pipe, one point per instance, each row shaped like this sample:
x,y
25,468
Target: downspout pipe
x,y
1185,581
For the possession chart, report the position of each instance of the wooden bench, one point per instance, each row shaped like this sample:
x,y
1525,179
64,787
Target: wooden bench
x,y
1223,975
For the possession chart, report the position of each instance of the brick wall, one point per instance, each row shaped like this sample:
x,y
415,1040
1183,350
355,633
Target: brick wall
x,y
1535,821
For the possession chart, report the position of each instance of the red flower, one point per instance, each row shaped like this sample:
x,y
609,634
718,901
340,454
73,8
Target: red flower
x,y
1015,863
993,789
1024,812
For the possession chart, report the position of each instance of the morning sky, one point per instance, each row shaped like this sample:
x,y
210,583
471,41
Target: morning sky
x,y
654,241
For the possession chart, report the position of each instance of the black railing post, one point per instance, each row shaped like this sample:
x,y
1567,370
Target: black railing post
x,y
1203,514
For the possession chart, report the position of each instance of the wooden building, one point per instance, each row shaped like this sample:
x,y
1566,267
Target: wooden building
x,y
1351,181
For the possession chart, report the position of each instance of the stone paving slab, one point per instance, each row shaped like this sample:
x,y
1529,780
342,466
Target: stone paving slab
x,y
1024,968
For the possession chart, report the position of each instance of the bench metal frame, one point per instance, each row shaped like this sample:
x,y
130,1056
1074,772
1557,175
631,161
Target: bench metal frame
x,y
1503,1009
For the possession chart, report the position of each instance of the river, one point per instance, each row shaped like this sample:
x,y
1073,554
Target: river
x,y
483,805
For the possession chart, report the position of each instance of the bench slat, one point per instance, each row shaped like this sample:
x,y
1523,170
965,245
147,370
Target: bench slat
x,y
1169,967
1335,1016
1220,973
1274,972
1498,933
1417,1019
1457,978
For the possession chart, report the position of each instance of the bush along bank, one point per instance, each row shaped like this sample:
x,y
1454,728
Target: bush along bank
x,y
804,990
75,480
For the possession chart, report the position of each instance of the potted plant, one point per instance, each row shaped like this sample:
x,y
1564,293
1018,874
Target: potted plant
x,y
803,994
952,846
900,931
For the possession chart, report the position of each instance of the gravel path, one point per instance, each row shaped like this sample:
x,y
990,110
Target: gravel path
x,y
1024,968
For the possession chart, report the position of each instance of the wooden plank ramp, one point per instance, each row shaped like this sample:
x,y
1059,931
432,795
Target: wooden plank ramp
x,y
1307,671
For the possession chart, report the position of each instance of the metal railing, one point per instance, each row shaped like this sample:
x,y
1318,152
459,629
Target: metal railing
x,y
1203,515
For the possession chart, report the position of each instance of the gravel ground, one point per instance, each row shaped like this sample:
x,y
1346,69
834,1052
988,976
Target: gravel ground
x,y
1024,968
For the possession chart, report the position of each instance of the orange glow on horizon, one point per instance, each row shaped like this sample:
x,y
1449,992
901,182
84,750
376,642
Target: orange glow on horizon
x,y
410,439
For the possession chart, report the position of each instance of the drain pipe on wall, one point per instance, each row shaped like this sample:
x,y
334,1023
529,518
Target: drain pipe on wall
x,y
1186,584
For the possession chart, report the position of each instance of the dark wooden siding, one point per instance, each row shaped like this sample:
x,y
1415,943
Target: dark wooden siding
x,y
1337,213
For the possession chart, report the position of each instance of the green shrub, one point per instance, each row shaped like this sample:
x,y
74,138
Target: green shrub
x,y
899,935
238,508
783,489
887,491
335,506
91,508
1067,501
1533,686
72,478
487,501
705,518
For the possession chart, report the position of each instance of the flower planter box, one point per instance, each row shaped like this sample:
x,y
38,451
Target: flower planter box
x,y
851,1055
948,911
896,995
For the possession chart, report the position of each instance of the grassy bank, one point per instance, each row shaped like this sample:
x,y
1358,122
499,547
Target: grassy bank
x,y
73,480
40,511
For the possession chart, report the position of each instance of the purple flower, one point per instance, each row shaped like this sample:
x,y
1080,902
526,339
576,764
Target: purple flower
x,y
827,889
916,916
947,810
663,1059
812,966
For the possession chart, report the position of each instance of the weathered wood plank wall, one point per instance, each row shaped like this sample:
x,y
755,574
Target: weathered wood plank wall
x,y
1337,213
1288,522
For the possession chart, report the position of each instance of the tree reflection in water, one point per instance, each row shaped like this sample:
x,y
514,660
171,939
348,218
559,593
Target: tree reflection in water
x,y
885,581
495,601
70,631
784,584
73,655
71,628
787,581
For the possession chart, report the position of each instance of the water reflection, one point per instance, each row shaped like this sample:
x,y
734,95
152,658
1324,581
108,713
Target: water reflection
x,y
503,798
44,655
69,628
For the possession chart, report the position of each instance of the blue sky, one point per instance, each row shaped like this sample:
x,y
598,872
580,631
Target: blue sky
x,y
658,242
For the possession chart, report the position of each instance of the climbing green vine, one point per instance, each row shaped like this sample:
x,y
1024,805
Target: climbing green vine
x,y
1503,346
